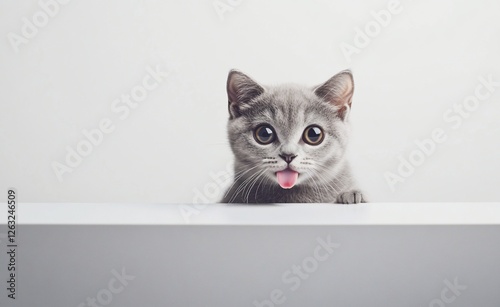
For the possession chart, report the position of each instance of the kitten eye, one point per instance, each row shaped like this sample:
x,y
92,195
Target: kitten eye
x,y
313,135
264,134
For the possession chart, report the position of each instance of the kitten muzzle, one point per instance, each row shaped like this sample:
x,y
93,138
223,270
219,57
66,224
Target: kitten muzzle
x,y
287,178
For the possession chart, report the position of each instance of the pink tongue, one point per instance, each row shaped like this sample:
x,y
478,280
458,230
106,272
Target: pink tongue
x,y
287,178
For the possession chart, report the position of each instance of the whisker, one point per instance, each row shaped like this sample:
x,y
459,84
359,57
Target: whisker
x,y
326,182
237,176
253,184
258,186
242,186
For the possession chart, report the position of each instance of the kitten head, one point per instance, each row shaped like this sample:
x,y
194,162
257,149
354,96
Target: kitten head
x,y
288,134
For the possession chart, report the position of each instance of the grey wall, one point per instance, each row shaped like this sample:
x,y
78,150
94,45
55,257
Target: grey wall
x,y
67,77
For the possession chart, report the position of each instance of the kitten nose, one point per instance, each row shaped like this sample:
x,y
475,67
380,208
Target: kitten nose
x,y
288,157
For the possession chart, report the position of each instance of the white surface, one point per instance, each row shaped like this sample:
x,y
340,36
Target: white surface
x,y
219,265
283,214
65,79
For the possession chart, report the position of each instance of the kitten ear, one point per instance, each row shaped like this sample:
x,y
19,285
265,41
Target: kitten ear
x,y
241,89
338,90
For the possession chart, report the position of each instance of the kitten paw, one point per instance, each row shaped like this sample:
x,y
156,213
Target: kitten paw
x,y
350,197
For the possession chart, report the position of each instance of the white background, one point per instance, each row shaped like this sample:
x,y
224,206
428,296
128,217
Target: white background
x,y
65,78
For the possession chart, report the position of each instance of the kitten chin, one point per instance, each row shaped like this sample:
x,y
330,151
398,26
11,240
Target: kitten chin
x,y
289,141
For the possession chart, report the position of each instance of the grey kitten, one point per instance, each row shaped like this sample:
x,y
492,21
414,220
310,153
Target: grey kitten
x,y
289,142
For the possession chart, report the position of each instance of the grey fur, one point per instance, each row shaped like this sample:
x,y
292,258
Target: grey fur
x,y
324,174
